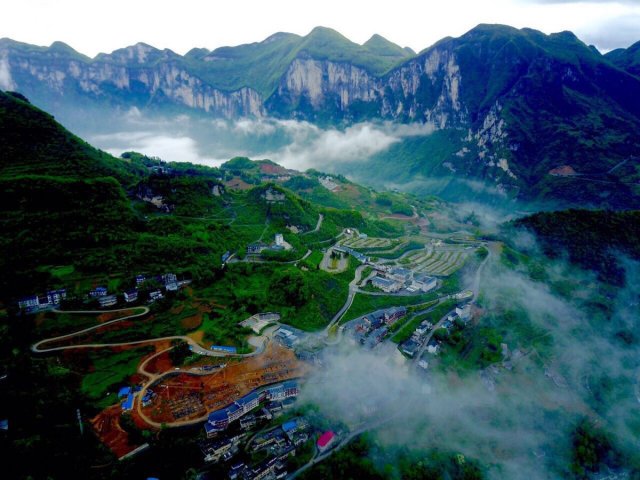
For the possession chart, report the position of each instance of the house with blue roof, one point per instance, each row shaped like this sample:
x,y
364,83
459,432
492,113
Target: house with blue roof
x,y
224,349
220,419
98,292
124,391
127,405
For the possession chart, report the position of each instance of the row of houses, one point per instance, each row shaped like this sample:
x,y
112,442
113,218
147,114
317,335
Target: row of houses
x,y
50,299
413,344
372,329
221,419
53,298
169,282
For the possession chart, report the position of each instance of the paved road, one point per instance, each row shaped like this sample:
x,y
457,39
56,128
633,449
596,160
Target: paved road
x,y
423,348
476,278
353,290
317,458
318,225
36,347
151,377
195,346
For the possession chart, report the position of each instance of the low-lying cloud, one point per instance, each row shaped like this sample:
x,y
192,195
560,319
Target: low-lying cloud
x,y
294,144
514,417
169,148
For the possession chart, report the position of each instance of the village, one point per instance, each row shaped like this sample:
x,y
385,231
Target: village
x,y
252,427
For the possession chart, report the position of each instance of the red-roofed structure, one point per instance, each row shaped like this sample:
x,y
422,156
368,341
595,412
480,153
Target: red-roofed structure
x,y
325,440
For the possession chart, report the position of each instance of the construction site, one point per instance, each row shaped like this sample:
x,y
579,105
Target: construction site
x,y
183,398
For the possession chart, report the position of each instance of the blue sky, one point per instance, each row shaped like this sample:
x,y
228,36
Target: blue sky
x,y
98,26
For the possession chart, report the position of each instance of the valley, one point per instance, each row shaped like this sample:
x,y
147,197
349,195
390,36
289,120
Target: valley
x,y
358,260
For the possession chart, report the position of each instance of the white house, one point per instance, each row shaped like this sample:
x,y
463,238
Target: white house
x,y
424,283
385,284
464,311
400,275
131,295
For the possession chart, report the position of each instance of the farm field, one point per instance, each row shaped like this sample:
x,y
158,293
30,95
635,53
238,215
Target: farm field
x,y
439,261
364,243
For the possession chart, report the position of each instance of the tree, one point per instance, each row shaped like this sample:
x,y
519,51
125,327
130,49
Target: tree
x,y
289,288
179,353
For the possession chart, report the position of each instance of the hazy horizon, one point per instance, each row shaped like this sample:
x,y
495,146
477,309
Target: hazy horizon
x,y
607,24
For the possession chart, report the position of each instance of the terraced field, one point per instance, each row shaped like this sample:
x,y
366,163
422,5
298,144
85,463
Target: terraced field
x,y
440,261
368,243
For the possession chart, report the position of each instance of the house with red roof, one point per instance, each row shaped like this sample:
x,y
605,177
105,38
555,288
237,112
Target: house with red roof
x,y
325,440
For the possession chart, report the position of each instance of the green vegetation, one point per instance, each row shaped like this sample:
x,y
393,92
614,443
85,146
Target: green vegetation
x,y
34,144
363,303
405,329
261,65
305,299
592,449
364,457
109,370
592,239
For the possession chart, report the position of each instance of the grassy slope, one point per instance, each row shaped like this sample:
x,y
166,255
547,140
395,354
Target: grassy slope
x,y
34,143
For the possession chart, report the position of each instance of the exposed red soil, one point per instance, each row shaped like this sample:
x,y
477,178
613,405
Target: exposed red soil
x,y
184,397
238,184
563,171
107,426
270,169
191,322
107,316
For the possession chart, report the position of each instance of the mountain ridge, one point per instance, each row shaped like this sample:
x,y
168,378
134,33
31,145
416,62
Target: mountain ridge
x,y
494,92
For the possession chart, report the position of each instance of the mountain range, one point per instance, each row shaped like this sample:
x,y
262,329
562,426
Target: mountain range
x,y
536,116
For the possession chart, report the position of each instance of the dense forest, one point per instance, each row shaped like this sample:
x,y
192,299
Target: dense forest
x,y
593,239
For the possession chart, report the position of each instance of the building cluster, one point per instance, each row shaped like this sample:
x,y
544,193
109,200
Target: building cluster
x,y
35,302
411,346
372,329
395,279
271,468
284,439
277,445
221,449
274,396
277,245
168,282
456,319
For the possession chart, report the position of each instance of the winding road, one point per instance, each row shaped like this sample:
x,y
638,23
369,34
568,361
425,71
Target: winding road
x,y
353,290
195,346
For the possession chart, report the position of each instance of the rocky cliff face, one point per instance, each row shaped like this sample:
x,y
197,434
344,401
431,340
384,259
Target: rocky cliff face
x,y
127,77
513,104
426,88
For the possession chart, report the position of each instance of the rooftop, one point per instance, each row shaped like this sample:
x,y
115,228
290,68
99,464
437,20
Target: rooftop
x,y
325,438
424,278
383,281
